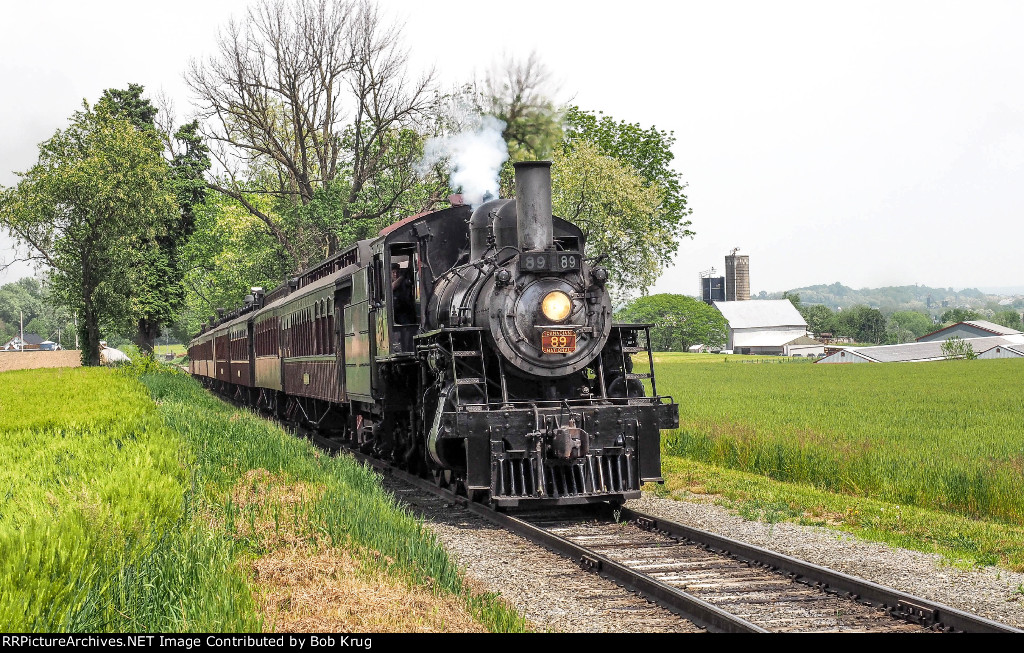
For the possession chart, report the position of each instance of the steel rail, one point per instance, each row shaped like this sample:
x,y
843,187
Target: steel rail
x,y
899,604
676,601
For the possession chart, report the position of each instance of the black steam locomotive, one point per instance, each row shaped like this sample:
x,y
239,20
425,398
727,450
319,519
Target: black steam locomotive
x,y
474,345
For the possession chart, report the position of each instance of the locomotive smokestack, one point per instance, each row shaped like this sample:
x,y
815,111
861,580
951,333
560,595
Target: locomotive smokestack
x,y
533,205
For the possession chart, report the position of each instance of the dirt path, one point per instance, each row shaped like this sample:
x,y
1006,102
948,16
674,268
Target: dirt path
x,y
30,360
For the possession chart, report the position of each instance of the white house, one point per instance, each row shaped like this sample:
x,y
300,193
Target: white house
x,y
767,326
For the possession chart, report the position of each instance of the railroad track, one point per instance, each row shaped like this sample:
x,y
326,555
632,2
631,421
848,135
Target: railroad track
x,y
720,584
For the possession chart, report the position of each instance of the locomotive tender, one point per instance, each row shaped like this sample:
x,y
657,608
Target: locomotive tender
x,y
474,345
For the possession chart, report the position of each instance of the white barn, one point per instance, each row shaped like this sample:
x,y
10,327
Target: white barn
x,y
768,326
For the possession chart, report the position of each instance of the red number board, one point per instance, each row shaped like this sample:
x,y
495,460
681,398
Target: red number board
x,y
558,341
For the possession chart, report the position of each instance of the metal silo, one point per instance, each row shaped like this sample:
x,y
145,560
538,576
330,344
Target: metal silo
x,y
737,276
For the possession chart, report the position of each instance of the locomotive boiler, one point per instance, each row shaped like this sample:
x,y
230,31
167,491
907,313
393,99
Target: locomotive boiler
x,y
473,345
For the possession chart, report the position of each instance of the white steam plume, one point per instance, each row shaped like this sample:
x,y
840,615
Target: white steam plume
x,y
472,156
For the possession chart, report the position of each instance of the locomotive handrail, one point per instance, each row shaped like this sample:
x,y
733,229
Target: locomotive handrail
x,y
445,329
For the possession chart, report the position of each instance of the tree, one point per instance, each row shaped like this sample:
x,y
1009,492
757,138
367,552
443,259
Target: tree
x,y
648,151
91,208
862,323
1010,319
311,101
647,154
820,318
794,299
229,252
617,213
680,321
955,315
30,299
956,347
917,324
519,94
157,283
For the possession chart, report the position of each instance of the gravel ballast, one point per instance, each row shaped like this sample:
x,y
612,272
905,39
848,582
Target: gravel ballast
x,y
556,595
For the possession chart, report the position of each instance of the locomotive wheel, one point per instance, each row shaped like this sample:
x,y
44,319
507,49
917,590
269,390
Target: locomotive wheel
x,y
443,478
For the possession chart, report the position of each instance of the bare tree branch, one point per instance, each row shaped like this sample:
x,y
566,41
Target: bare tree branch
x,y
307,93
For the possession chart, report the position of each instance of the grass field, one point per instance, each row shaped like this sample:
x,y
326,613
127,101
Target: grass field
x,y
152,506
95,526
946,437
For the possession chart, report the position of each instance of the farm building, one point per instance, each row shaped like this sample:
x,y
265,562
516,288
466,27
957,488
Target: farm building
x,y
770,326
1003,351
915,352
969,329
31,343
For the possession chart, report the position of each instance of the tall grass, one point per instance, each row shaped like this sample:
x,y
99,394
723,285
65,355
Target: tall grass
x,y
95,530
351,509
945,435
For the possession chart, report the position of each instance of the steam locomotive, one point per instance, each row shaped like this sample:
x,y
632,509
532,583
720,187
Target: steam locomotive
x,y
476,346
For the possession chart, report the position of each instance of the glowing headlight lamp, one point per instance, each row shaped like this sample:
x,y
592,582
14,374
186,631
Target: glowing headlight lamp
x,y
556,306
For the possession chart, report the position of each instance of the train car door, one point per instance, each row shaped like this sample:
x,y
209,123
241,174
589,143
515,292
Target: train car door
x,y
342,299
358,339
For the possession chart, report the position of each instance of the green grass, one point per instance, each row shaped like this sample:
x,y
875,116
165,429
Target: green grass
x,y
95,524
352,511
177,350
962,541
118,511
945,437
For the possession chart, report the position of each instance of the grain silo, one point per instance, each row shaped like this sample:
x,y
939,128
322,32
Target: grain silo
x,y
737,276
712,287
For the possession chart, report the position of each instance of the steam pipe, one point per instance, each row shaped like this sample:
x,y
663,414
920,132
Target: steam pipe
x,y
533,205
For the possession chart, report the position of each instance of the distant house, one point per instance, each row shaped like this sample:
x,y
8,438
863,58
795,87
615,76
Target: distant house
x,y
767,326
916,352
969,329
32,342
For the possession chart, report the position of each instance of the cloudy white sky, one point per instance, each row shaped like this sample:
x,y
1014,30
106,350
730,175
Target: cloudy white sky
x,y
872,143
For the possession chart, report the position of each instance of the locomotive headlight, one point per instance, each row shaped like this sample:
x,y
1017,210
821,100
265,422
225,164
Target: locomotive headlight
x,y
556,306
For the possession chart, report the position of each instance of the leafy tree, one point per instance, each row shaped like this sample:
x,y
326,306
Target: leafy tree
x,y
21,298
680,321
614,208
229,252
31,297
648,151
1010,319
820,319
918,324
92,208
862,323
956,347
955,315
647,155
157,283
794,298
518,94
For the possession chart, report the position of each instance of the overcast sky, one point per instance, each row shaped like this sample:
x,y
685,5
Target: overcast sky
x,y
867,143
